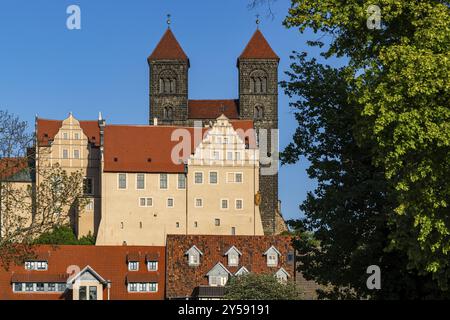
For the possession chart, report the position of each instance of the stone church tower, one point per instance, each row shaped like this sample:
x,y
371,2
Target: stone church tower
x,y
258,101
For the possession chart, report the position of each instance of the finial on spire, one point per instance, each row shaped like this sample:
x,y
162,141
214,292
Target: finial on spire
x,y
257,21
168,21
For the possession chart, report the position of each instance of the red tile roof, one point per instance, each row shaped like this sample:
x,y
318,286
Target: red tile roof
x,y
110,262
258,48
150,276
149,148
168,48
212,109
47,130
11,166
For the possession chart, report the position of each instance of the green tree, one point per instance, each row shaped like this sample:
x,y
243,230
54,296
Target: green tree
x,y
64,235
393,96
260,287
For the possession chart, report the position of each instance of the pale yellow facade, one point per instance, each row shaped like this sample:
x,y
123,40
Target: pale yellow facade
x,y
218,196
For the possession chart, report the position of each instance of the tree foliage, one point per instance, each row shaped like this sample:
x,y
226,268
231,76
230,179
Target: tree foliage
x,y
64,235
260,287
378,137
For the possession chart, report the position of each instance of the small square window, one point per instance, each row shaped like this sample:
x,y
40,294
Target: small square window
x,y
39,287
170,202
153,287
152,265
177,224
29,287
149,202
239,204
198,203
18,287
238,178
51,287
217,222
132,287
142,202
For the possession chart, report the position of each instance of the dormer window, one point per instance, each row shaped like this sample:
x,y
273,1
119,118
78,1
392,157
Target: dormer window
x,y
218,275
242,271
152,265
36,265
272,255
194,254
133,266
233,256
282,275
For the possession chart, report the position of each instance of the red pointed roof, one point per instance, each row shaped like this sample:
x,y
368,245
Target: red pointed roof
x,y
168,48
258,48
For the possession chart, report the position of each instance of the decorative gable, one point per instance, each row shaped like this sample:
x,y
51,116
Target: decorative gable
x,y
218,275
242,271
282,275
87,274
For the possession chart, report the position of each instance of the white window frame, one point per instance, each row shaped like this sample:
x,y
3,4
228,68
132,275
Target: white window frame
x,y
74,154
190,262
221,204
236,206
217,177
145,182
234,254
167,181
242,177
215,222
65,154
131,263
178,181
272,262
140,203
173,202
118,181
195,203
76,136
148,266
203,178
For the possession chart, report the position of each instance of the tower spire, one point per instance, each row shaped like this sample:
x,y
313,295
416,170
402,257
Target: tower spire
x,y
257,22
168,21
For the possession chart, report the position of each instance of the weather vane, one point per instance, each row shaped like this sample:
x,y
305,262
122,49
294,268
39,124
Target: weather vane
x,y
257,21
168,21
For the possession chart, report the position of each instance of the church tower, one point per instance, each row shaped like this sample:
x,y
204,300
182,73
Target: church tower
x,y
168,66
258,101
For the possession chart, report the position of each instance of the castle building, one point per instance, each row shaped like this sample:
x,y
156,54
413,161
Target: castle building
x,y
258,101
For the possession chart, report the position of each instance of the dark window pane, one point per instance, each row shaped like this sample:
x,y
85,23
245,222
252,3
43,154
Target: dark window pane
x,y
92,293
82,293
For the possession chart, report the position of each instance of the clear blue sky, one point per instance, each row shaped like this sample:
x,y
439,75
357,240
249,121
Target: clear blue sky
x,y
48,70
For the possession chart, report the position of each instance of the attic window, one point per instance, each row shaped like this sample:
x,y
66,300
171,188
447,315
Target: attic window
x,y
116,159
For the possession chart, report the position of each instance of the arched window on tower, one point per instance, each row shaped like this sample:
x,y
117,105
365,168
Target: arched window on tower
x,y
258,113
168,113
258,81
167,82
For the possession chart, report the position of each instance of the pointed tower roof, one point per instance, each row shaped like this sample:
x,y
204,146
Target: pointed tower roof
x,y
258,48
168,48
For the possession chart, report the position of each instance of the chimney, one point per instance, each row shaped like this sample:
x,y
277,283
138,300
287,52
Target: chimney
x,y
101,124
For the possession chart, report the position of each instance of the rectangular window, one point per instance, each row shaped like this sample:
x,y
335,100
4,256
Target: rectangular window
x,y
41,265
170,202
239,204
88,186
217,222
142,287
29,287
140,181
163,181
238,156
153,287
216,155
76,154
65,154
92,293
152,265
132,287
65,136
77,136
82,293
181,181
224,203
39,287
198,178
133,266
51,287
238,178
229,155
18,287
194,259
142,202
213,177
61,287
149,202
272,260
225,140
90,206
233,231
198,203
122,180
